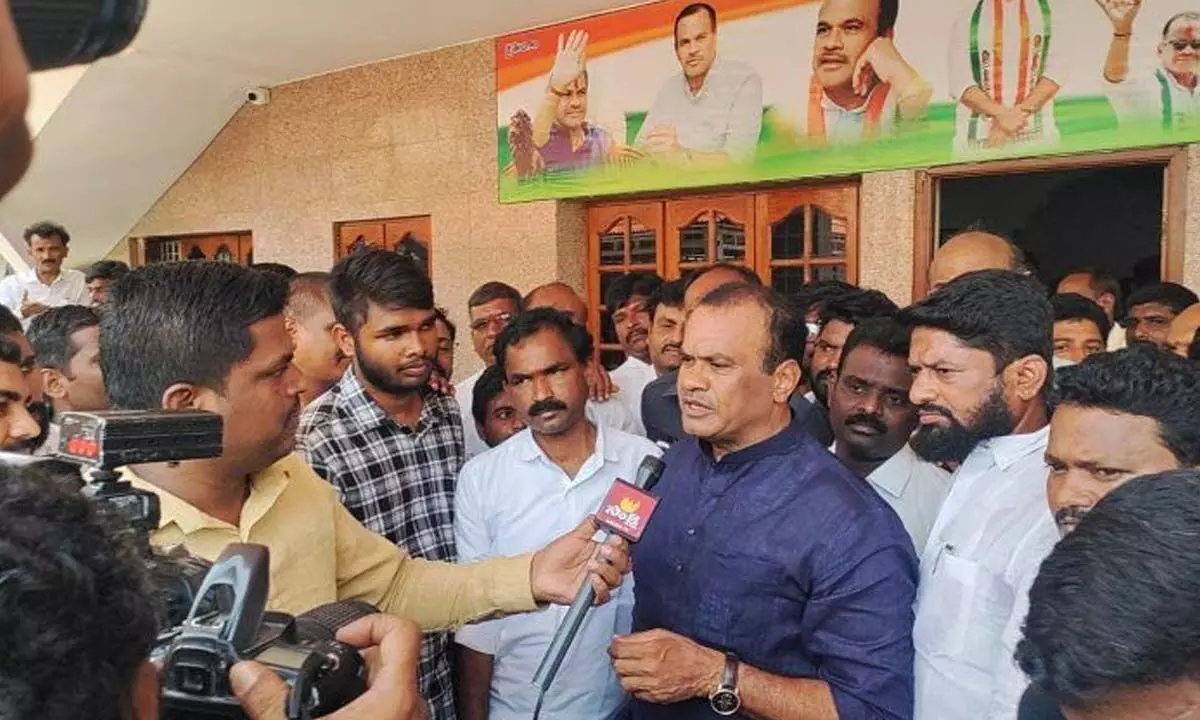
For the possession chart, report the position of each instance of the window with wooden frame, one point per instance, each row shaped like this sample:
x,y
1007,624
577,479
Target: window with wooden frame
x,y
788,236
410,236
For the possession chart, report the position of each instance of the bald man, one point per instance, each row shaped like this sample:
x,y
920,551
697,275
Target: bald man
x,y
608,411
974,250
1183,331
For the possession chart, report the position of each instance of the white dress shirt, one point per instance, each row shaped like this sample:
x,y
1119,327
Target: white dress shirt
x,y
726,115
985,549
513,500
1154,96
631,378
915,489
69,288
464,392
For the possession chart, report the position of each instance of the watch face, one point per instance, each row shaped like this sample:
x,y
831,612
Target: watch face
x,y
725,702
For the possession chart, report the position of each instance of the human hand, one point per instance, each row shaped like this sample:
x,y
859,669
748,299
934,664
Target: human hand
x,y
1011,120
661,667
1121,13
29,308
560,568
600,384
882,60
569,60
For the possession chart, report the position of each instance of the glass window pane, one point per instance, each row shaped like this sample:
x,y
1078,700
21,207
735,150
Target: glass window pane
x,y
606,279
787,236
608,331
693,241
829,234
787,280
731,240
225,255
828,272
612,244
643,244
611,359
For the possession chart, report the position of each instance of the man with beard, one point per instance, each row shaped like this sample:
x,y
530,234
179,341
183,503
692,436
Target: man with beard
x,y
873,419
11,328
771,579
1167,95
666,329
980,354
838,318
1151,310
489,309
516,498
18,427
309,319
390,445
1183,330
628,299
1120,416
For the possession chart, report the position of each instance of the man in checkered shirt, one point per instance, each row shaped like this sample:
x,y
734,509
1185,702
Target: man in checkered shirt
x,y
390,446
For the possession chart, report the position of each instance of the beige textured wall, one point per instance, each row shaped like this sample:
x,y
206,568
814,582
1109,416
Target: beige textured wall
x,y
1191,259
887,201
413,136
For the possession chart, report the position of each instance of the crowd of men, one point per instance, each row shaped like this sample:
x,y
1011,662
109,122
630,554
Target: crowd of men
x,y
862,512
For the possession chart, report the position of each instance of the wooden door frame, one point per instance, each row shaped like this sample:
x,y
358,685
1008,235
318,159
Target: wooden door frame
x,y
1172,158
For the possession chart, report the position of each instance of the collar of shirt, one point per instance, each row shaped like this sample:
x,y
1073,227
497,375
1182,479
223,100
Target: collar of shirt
x,y
1178,87
31,277
528,451
894,475
265,488
698,96
368,414
829,105
781,443
1004,452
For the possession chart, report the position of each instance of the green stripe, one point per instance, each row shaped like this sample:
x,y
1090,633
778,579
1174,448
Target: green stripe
x,y
976,69
1168,115
1047,31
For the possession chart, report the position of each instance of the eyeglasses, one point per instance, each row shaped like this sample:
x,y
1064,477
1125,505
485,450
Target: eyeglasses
x,y
498,321
1181,45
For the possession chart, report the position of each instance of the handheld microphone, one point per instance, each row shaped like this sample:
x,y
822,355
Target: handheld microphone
x,y
619,515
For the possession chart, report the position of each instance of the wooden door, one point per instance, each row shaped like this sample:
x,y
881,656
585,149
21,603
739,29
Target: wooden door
x,y
411,237
707,230
622,238
807,235
356,236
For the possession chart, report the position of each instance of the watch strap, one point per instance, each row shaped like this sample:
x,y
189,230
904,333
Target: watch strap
x,y
729,677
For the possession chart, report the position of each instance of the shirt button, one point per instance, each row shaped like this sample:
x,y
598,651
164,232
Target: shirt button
x,y
678,567
691,532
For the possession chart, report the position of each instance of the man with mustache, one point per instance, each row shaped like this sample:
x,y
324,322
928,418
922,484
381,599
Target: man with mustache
x,y
516,497
838,318
390,445
489,308
861,86
980,354
873,419
666,328
309,319
771,581
19,428
47,284
627,300
1152,308
1183,330
1166,96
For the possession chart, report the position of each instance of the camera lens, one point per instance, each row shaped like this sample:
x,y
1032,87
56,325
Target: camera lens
x,y
58,33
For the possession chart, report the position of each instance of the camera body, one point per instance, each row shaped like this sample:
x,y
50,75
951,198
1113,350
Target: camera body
x,y
323,674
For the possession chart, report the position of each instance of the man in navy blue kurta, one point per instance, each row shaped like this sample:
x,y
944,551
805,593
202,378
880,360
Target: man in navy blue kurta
x,y
768,571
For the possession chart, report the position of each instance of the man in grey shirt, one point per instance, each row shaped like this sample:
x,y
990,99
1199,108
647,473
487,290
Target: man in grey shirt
x,y
711,113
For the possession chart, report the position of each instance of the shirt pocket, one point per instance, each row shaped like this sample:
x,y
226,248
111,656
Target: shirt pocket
x,y
968,612
742,601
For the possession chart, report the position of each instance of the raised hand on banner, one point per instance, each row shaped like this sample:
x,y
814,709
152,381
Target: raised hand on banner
x,y
882,60
569,61
1121,12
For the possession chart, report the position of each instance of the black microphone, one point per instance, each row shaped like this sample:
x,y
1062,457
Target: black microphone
x,y
618,520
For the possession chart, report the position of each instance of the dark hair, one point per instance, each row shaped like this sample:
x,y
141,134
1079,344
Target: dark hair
x,y
670,294
50,334
377,277
1145,381
747,275
694,9
854,307
308,293
1000,311
785,334
1072,306
1113,607
181,322
1102,282
10,352
531,322
106,270
493,291
1189,15
76,606
889,10
287,272
1194,350
9,322
47,229
630,285
818,294
440,315
1173,295
884,333
487,388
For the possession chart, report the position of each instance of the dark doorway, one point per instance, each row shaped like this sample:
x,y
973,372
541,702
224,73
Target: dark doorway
x,y
1065,220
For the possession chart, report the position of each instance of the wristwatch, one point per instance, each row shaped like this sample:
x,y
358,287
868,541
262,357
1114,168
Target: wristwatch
x,y
725,700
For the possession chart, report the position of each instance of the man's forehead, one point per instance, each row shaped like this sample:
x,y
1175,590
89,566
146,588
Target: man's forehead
x,y
1076,326
1078,437
1185,29
834,11
384,315
939,343
726,330
1151,308
877,367
492,307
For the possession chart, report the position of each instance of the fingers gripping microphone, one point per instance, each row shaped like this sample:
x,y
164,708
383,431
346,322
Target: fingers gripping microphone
x,y
619,514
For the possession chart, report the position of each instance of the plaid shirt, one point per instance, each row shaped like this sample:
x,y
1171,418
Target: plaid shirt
x,y
397,481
